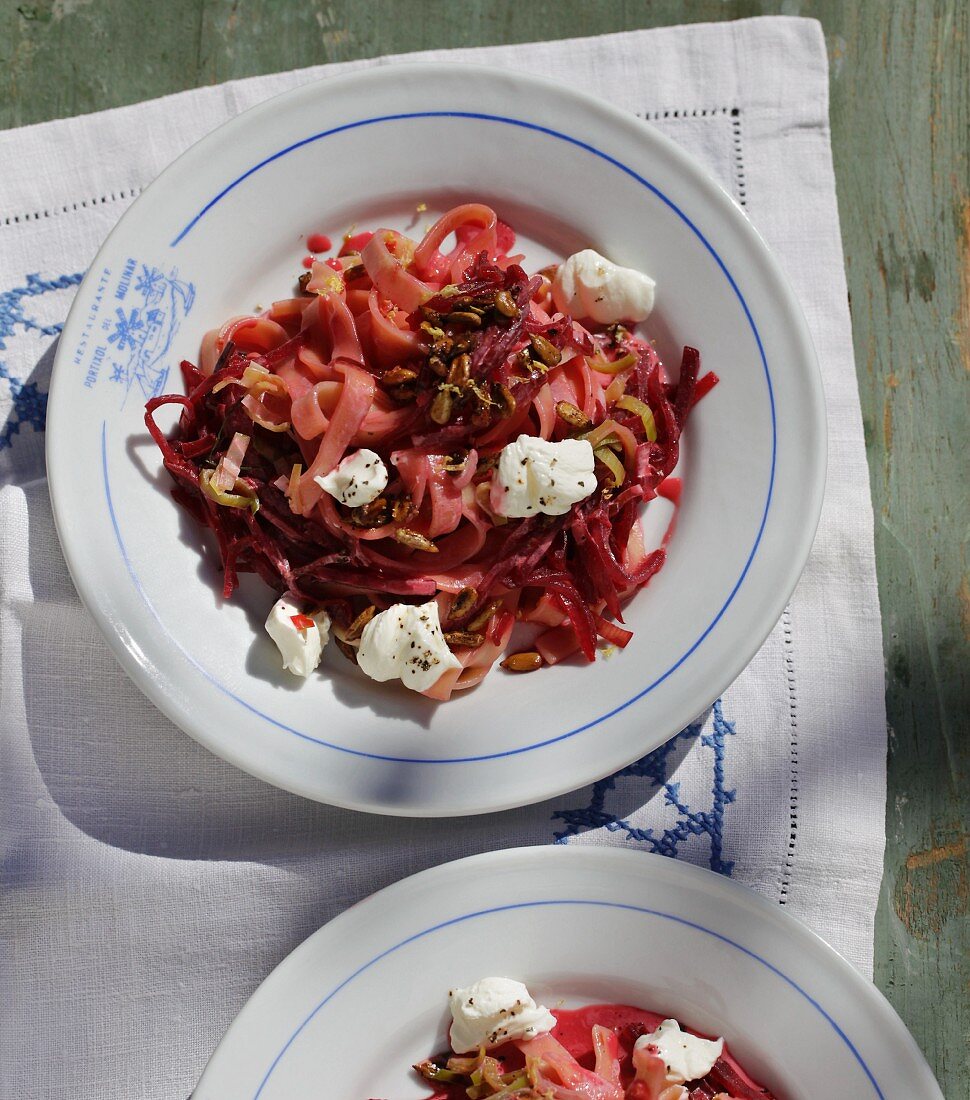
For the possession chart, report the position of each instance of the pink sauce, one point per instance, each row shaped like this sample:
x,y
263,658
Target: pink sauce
x,y
575,1026
309,261
355,242
319,242
574,1029
670,488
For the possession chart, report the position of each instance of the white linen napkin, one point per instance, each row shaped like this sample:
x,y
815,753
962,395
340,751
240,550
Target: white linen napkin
x,y
147,886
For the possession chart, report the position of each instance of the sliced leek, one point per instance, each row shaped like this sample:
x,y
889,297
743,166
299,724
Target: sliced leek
x,y
604,366
635,405
614,391
242,495
433,1072
269,425
257,379
615,466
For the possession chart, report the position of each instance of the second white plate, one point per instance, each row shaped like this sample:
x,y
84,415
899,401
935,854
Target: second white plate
x,y
366,996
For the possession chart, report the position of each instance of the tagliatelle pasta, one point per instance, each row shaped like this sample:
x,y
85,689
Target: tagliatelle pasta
x,y
435,361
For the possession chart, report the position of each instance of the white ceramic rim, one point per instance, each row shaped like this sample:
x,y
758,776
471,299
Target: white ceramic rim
x,y
786,567
732,903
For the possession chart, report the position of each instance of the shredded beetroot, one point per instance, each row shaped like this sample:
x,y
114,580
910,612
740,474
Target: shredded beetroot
x,y
435,361
705,385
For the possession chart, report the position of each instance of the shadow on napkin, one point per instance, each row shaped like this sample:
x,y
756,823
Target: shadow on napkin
x,y
124,775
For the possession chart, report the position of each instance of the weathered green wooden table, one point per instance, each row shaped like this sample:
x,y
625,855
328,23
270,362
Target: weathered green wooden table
x,y
901,136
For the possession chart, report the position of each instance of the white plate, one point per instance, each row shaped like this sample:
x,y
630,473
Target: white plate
x,y
222,230
368,992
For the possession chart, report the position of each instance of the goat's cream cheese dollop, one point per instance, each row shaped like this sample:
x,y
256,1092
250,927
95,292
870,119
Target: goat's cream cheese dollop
x,y
494,1011
360,478
534,475
299,637
406,641
688,1057
588,285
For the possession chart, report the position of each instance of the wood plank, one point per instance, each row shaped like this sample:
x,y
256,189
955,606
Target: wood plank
x,y
900,125
901,121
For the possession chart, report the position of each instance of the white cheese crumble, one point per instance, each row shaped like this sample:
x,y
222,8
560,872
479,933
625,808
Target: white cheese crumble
x,y
360,478
535,476
406,641
588,285
688,1057
300,646
494,1011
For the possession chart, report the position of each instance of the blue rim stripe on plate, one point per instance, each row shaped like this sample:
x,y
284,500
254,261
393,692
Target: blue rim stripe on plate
x,y
585,902
771,479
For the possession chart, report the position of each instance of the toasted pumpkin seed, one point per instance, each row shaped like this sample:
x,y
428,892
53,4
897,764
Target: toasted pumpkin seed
x,y
464,602
401,383
505,305
356,628
440,411
522,662
399,376
416,541
545,350
526,365
438,366
464,317
347,650
485,615
460,370
469,305
374,514
467,638
403,394
573,416
303,280
455,463
463,342
504,401
401,508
